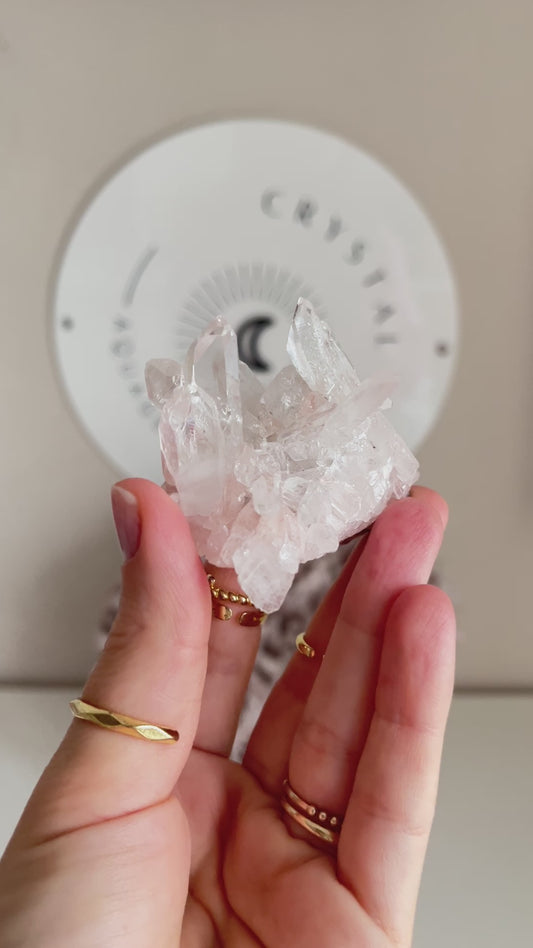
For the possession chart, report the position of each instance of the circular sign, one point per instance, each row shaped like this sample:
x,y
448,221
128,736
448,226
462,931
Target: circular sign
x,y
241,218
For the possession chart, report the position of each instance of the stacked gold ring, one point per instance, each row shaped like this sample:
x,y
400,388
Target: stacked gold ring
x,y
221,609
325,826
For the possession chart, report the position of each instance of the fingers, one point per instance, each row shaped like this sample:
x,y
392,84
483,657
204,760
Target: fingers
x,y
269,745
382,565
232,651
387,823
152,668
328,742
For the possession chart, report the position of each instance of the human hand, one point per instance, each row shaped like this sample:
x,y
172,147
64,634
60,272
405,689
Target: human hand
x,y
129,843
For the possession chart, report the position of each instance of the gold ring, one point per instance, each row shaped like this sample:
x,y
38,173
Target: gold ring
x,y
221,610
303,647
321,832
122,723
225,595
314,812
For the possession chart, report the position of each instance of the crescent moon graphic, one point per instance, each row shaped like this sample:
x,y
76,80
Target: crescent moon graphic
x,y
252,296
248,336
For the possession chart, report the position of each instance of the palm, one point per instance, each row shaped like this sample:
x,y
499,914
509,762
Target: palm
x,y
249,875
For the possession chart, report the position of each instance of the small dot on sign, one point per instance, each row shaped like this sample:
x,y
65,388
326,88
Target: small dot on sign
x,y
442,349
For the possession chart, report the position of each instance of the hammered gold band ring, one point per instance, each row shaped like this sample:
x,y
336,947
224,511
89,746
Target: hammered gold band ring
x,y
122,723
318,822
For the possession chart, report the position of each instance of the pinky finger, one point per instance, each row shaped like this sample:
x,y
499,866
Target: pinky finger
x,y
390,812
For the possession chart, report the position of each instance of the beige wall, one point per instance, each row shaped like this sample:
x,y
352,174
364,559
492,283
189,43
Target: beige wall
x,y
440,92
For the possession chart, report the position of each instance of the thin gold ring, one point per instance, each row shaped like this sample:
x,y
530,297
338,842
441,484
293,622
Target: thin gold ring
x,y
311,810
122,723
303,647
316,829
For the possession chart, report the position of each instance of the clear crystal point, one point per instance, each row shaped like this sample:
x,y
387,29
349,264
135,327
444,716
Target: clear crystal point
x,y
316,355
212,366
272,477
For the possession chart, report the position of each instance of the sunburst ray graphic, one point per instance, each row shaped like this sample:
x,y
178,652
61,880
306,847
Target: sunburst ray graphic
x,y
240,293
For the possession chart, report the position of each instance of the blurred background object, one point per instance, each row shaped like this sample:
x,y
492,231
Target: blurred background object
x,y
436,95
427,103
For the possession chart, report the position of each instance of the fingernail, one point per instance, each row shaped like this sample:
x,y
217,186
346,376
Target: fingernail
x,y
127,521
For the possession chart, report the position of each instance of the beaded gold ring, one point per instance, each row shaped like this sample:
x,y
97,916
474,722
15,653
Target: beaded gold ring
x,y
221,610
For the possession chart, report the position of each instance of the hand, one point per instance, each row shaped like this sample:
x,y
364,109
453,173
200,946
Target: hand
x,y
129,843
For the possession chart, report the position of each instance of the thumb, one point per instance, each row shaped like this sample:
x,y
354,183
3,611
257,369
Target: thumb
x,y
152,668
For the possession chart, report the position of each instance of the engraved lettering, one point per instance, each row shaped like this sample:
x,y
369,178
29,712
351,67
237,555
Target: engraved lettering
x,y
378,276
123,348
276,203
384,312
335,227
267,202
305,211
121,323
357,253
128,370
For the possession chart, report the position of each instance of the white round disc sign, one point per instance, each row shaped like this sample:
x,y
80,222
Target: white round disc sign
x,y
242,218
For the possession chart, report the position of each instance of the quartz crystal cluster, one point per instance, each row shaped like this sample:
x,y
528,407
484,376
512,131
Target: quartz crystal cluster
x,y
272,476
